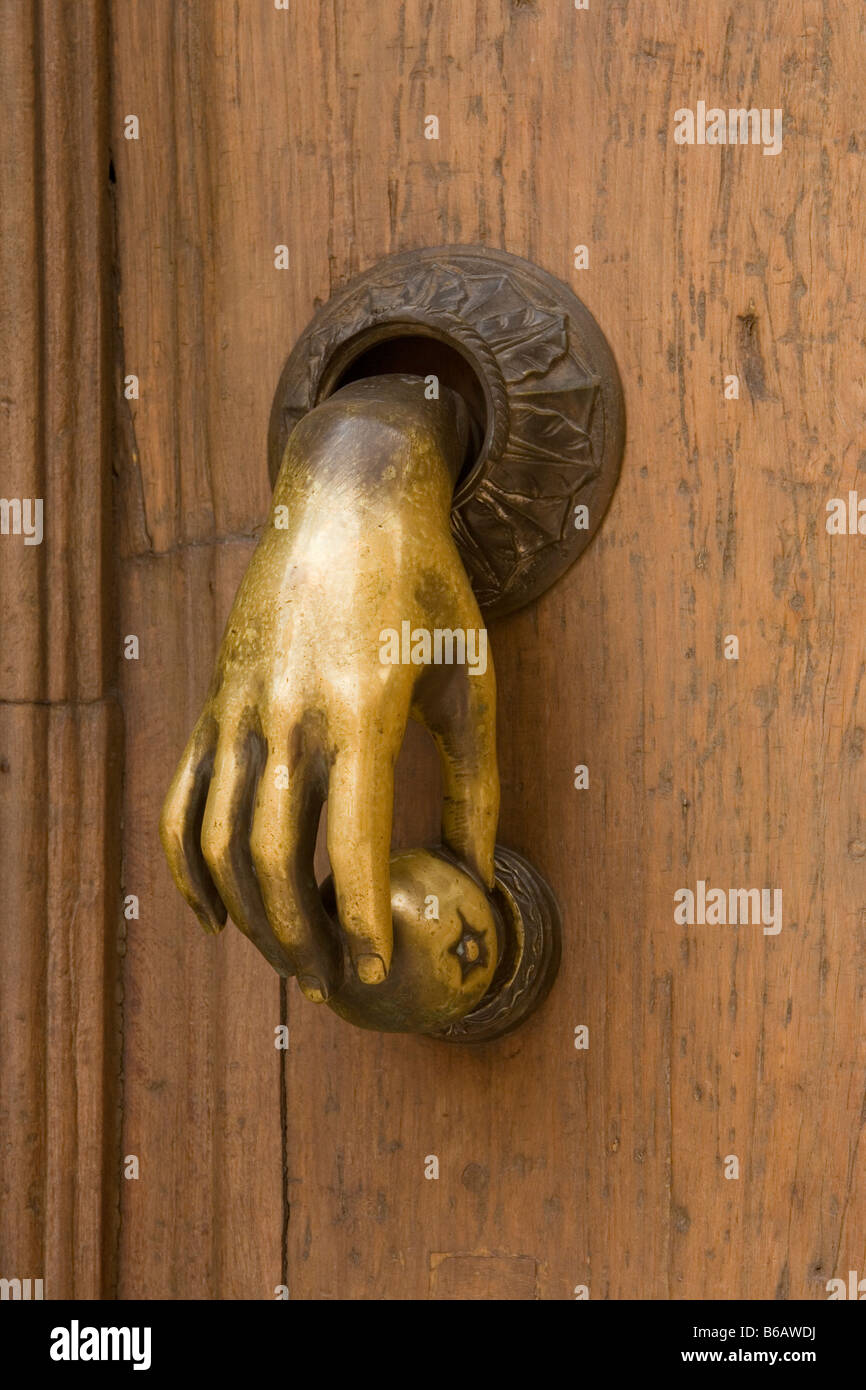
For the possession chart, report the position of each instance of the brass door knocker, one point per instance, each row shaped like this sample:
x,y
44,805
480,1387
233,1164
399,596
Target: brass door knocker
x,y
446,436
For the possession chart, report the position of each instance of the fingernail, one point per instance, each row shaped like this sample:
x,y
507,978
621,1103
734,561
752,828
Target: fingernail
x,y
371,969
313,989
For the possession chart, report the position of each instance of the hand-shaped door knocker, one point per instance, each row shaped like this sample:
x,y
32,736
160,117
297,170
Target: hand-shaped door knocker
x,y
357,612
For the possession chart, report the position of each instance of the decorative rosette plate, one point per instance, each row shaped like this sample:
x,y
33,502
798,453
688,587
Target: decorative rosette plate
x,y
547,388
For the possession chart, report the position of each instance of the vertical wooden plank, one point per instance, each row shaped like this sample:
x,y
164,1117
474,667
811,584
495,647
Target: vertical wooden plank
x,y
60,729
56,329
202,1105
21,661
58,823
82,769
22,1017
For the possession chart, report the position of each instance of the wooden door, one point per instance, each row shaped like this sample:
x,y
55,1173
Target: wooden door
x,y
729,282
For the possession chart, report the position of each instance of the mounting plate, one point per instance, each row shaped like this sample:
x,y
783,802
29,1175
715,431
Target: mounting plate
x,y
555,416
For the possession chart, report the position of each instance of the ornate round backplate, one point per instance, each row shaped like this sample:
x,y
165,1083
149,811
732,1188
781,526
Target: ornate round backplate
x,y
532,935
554,413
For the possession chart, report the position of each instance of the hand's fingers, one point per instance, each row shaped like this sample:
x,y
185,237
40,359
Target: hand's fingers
x,y
289,802
180,826
360,815
458,706
225,840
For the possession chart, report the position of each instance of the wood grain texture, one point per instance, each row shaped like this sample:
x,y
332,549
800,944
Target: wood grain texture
x,y
602,1167
201,1097
61,734
55,338
61,899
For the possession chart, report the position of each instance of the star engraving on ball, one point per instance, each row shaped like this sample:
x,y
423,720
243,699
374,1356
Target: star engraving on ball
x,y
470,948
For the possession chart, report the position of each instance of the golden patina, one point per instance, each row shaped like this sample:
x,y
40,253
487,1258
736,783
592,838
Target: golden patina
x,y
303,708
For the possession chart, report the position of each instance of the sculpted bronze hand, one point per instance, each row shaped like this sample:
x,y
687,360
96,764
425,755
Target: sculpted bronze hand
x,y
307,703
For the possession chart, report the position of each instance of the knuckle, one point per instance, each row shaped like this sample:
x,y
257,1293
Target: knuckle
x,y
268,859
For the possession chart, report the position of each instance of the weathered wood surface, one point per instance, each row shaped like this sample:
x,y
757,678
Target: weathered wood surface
x,y
605,1167
61,734
558,1167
